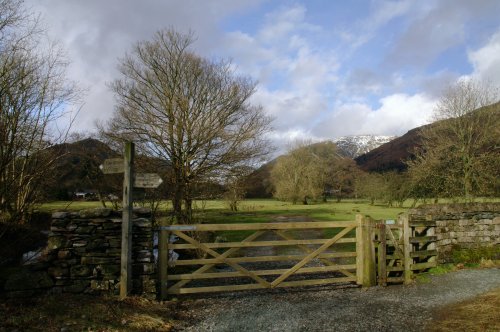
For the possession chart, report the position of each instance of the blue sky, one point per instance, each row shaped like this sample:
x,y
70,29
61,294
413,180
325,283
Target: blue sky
x,y
325,68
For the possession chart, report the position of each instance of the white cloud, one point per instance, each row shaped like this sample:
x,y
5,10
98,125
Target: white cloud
x,y
397,114
383,12
290,110
294,76
283,22
486,60
437,26
97,33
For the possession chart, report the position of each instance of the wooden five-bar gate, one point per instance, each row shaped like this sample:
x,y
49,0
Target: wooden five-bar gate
x,y
275,255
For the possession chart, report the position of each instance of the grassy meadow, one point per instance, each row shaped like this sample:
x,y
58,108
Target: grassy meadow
x,y
259,210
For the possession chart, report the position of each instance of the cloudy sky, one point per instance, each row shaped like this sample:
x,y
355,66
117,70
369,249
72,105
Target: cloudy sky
x,y
325,68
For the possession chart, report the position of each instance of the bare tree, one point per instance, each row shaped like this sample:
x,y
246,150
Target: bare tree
x,y
33,94
190,111
235,186
371,186
342,173
460,152
304,172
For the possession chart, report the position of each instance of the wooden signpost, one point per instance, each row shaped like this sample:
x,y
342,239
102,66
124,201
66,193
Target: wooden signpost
x,y
140,180
113,166
147,180
126,254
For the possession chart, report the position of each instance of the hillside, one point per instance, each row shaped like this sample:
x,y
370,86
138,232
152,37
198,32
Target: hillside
x,y
391,155
77,167
356,145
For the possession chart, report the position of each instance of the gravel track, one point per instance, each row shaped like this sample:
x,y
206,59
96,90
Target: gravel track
x,y
334,308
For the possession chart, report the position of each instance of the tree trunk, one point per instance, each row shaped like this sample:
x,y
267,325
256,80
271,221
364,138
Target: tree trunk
x,y
177,204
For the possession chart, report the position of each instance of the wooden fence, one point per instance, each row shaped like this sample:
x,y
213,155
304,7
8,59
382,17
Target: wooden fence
x,y
275,255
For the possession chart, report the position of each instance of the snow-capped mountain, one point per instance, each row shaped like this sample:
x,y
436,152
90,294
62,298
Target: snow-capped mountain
x,y
353,146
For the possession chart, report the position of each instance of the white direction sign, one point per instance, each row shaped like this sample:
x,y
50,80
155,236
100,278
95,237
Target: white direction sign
x,y
112,166
147,180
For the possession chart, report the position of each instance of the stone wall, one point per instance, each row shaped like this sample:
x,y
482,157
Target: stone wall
x,y
461,225
83,255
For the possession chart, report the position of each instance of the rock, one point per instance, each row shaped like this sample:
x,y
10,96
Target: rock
x,y
78,286
109,226
79,243
97,244
28,280
85,229
95,213
111,270
142,211
101,285
58,272
142,222
64,254
56,242
60,215
98,260
80,271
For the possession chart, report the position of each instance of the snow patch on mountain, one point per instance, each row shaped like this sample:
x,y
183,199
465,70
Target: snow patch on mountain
x,y
354,146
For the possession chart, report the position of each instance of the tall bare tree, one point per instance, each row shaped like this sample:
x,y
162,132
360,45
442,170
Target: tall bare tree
x,y
460,152
342,173
192,112
371,186
305,171
33,94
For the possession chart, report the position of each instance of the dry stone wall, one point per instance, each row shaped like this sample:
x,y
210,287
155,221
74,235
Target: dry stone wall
x,y
461,225
83,255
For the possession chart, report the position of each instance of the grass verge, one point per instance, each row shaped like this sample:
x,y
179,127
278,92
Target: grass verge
x,y
478,314
68,312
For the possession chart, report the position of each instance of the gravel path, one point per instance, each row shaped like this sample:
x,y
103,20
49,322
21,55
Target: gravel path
x,y
334,308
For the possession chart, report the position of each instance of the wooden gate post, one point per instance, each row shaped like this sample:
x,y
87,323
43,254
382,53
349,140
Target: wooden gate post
x,y
408,261
382,255
365,252
163,261
126,250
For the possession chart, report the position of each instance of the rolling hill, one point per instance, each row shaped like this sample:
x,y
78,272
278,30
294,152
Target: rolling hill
x,y
391,155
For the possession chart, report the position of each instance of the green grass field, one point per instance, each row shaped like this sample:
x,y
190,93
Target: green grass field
x,y
260,210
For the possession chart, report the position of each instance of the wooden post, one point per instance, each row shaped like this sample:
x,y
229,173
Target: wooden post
x,y
382,255
126,254
431,231
365,257
163,262
359,249
407,249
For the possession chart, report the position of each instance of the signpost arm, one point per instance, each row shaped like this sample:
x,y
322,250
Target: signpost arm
x,y
126,254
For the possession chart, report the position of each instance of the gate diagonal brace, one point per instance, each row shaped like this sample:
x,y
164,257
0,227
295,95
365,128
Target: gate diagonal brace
x,y
223,259
311,256
226,254
308,250
397,248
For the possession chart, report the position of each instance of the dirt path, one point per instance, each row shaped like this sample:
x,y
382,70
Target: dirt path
x,y
334,308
